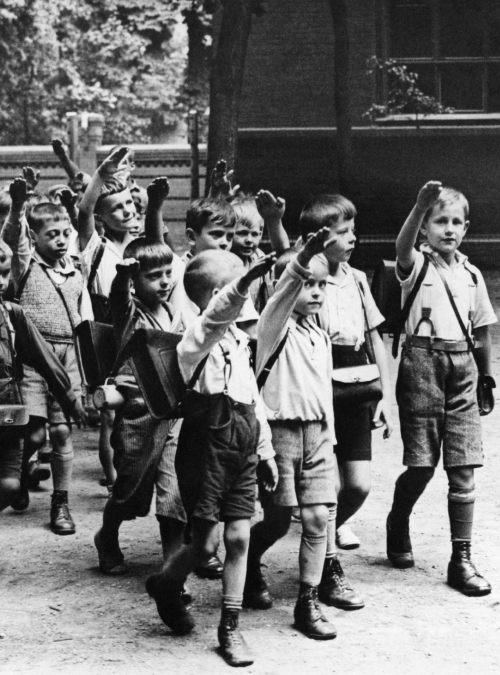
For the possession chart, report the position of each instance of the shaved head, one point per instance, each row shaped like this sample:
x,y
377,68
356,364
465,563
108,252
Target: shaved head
x,y
210,270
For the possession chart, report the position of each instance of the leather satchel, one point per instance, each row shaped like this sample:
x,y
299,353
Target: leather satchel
x,y
13,415
96,350
357,384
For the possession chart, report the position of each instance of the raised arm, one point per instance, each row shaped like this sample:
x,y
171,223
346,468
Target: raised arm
x,y
15,229
120,298
111,165
272,209
221,182
67,164
405,243
158,191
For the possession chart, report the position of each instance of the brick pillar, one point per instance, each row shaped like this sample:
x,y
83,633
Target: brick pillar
x,y
91,130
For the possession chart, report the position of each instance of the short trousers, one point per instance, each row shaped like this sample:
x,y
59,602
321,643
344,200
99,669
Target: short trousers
x,y
144,455
306,464
217,459
353,432
436,394
11,453
35,391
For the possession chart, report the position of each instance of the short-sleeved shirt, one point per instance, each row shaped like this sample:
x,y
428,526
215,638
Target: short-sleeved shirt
x,y
468,296
342,315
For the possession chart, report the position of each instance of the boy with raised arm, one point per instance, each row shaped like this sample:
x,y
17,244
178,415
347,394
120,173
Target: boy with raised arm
x,y
437,378
223,435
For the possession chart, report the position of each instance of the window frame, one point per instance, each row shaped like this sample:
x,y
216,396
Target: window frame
x,y
436,60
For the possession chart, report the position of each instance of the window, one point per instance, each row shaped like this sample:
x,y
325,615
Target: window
x,y
453,45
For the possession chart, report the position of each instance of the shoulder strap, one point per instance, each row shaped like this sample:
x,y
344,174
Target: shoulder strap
x,y
464,330
369,343
196,375
22,282
95,264
261,380
405,312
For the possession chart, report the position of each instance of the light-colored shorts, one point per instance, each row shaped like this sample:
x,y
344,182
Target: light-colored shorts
x,y
306,464
36,394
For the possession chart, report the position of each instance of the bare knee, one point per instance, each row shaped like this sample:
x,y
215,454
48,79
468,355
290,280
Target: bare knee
x,y
35,433
314,518
9,487
236,540
461,478
59,435
356,494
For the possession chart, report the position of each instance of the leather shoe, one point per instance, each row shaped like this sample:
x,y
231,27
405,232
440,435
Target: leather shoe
x,y
309,618
463,574
399,550
346,539
169,603
233,648
256,594
334,589
61,521
111,560
36,474
211,569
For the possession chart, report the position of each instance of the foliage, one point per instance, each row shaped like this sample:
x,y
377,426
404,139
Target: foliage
x,y
123,58
403,95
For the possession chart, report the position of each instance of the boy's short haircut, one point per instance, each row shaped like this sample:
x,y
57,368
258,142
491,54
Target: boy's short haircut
x,y
131,153
448,196
5,251
148,254
324,211
283,260
245,207
113,186
209,270
207,210
40,214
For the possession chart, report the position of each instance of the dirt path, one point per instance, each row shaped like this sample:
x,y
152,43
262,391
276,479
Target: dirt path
x,y
58,614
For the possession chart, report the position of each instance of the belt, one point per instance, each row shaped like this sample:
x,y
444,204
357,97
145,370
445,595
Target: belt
x,y
438,344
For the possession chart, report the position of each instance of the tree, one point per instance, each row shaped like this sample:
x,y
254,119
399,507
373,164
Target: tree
x,y
227,78
342,94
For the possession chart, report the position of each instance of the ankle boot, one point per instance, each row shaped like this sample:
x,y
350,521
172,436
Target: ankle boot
x,y
462,573
334,589
233,648
256,594
22,499
170,604
399,549
309,618
61,521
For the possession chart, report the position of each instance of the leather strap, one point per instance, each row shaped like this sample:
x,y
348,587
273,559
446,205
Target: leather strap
x,y
95,264
261,380
464,330
405,312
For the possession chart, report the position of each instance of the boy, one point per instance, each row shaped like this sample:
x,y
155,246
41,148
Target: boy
x,y
144,447
350,317
51,291
21,342
437,379
297,394
223,433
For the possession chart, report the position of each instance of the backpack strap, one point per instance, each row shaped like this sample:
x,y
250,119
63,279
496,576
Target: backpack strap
x,y
464,330
22,283
261,380
95,264
405,312
196,375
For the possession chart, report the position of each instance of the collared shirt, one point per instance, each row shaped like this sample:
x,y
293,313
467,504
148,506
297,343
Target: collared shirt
x,y
343,316
106,271
15,234
432,293
228,365
299,386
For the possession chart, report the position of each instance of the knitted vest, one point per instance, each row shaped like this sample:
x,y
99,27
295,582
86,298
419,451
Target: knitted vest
x,y
44,306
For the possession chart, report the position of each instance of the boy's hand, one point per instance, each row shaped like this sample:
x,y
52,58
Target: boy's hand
x,y
220,181
79,182
158,190
128,266
117,161
383,417
19,192
267,472
58,147
429,194
261,267
316,243
31,177
78,413
68,199
271,208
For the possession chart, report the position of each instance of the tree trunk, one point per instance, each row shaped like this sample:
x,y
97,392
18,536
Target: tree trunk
x,y
198,66
338,9
226,82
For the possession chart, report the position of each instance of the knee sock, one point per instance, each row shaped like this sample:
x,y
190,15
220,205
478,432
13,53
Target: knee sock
x,y
311,558
461,513
232,602
331,532
62,465
406,495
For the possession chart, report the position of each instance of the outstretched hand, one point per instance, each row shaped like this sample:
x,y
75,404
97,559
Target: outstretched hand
x,y
261,267
115,162
158,190
68,199
221,181
19,192
271,208
429,194
128,266
31,177
316,243
58,147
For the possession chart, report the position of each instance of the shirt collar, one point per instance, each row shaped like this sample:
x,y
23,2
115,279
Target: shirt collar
x,y
67,269
346,279
459,257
